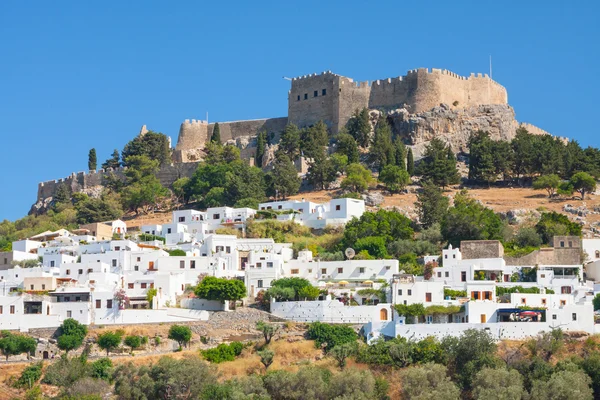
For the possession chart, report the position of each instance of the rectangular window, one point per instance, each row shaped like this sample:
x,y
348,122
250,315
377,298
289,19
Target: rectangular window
x,y
362,270
542,275
90,270
305,96
12,309
269,264
109,303
399,292
152,285
315,93
428,297
144,285
67,298
553,316
193,264
151,265
439,274
168,230
51,263
114,263
562,244
523,300
228,249
117,248
69,314
295,272
139,259
323,271
298,97
447,274
487,295
565,290
258,265
563,302
574,316
31,287
182,264
80,272
68,272
340,270
409,292
323,92
453,255
1,310
43,286
130,286
181,219
475,296
98,303
260,283
136,268
463,276
543,302
338,207
570,244
216,216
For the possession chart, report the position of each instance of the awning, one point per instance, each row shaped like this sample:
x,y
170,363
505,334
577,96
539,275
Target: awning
x,y
343,282
371,282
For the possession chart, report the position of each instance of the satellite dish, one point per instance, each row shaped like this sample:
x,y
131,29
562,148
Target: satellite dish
x,y
350,253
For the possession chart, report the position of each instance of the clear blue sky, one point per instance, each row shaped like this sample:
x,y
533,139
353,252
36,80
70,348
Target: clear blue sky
x,y
76,75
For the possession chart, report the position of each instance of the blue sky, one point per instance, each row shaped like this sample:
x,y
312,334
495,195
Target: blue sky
x,y
76,75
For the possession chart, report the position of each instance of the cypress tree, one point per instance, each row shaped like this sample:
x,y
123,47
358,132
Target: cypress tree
x,y
410,162
216,135
261,146
92,160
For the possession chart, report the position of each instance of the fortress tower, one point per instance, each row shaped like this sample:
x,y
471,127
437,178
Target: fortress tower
x,y
334,98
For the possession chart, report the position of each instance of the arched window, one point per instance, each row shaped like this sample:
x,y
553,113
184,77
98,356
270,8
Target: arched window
x,y
383,314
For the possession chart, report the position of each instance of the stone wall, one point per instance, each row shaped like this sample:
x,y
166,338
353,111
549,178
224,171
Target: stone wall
x,y
474,249
547,256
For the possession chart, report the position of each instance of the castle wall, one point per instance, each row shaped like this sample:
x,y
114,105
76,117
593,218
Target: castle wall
x,y
350,97
191,133
239,129
307,104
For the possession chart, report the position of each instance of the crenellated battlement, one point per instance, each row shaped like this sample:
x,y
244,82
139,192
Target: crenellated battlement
x,y
324,73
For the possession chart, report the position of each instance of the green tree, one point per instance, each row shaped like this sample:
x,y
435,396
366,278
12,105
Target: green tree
x,y
12,345
357,178
143,189
470,220
109,340
285,178
341,353
92,160
382,151
583,182
394,177
289,144
503,157
481,159
213,288
390,225
549,183
268,330
345,144
102,368
313,140
295,283
133,342
180,333
309,293
261,147
180,189
96,210
596,302
216,134
498,384
321,171
410,162
563,385
113,162
524,152
329,336
428,381
439,164
359,127
150,295
556,224
431,204
266,357
154,145
400,153
71,334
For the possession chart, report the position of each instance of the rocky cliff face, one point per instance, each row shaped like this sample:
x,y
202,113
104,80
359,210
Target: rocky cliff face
x,y
453,125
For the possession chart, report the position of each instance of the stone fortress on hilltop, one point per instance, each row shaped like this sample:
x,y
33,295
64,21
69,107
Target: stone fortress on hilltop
x,y
423,104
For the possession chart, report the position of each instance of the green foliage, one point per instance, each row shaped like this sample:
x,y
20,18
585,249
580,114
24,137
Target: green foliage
x,y
382,151
516,289
284,178
289,143
389,225
342,351
583,183
213,288
314,139
428,382
216,134
92,160
563,385
321,170
498,384
176,253
150,294
71,334
12,345
329,336
223,352
268,330
358,178
143,190
309,293
438,164
431,205
266,357
359,127
453,294
153,145
65,371
109,340
102,368
91,210
596,302
280,294
481,158
146,237
556,224
549,183
30,375
261,146
346,145
180,333
133,342
410,162
394,177
294,283
373,245
470,220
113,162
398,248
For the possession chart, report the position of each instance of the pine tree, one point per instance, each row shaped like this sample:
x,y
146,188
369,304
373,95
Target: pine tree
x,y
410,162
346,145
400,153
439,164
289,144
92,160
285,178
216,134
113,162
481,159
382,151
261,146
431,204
359,127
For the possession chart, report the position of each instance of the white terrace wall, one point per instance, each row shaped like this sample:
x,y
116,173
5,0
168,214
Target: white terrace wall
x,y
331,311
203,304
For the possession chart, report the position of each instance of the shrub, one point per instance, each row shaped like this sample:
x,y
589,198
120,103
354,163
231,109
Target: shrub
x,y
30,375
329,336
133,342
181,334
102,368
223,352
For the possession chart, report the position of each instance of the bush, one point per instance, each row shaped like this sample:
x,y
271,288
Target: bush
x,y
223,352
30,375
133,342
181,334
66,371
102,368
176,253
329,336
